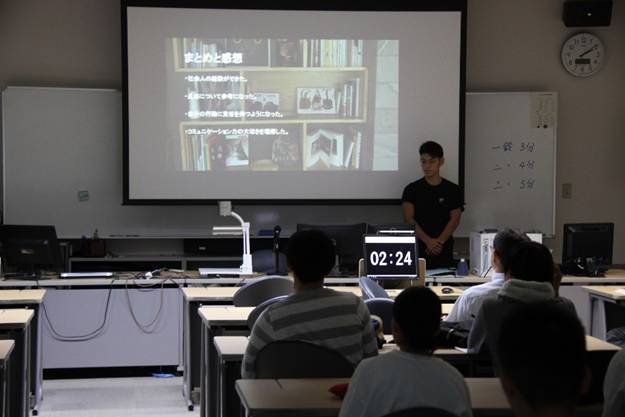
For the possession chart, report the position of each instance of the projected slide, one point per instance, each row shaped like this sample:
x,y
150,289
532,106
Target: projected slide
x,y
287,105
280,104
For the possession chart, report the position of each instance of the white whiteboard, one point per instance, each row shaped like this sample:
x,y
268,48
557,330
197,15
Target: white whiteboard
x,y
59,141
510,161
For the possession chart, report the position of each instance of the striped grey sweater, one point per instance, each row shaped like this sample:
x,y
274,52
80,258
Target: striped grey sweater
x,y
336,320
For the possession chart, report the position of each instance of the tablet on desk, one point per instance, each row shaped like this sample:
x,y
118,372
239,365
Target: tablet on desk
x,y
86,274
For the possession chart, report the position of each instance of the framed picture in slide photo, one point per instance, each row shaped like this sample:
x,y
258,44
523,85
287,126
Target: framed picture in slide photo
x,y
317,100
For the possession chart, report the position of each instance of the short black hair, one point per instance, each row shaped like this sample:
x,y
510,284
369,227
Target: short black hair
x,y
431,148
504,244
417,312
531,261
310,255
542,350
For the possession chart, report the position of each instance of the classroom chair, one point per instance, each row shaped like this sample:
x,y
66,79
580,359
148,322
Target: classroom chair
x,y
299,359
383,308
254,293
371,289
255,314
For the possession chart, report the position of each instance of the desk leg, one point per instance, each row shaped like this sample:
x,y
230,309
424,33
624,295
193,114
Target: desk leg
x,y
592,300
19,373
211,374
203,371
231,404
188,369
36,360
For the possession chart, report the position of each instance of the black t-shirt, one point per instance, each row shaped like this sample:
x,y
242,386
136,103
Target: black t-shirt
x,y
433,204
432,207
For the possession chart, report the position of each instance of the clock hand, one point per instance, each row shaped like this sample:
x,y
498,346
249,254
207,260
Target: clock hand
x,y
588,51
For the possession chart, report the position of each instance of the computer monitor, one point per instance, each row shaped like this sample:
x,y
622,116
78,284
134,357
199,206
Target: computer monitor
x,y
586,243
348,240
30,249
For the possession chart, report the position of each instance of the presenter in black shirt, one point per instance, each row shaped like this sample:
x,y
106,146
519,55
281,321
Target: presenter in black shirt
x,y
434,206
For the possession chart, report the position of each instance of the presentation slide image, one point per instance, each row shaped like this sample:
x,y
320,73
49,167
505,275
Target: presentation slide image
x,y
301,104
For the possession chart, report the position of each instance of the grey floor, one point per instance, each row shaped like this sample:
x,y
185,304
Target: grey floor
x,y
108,397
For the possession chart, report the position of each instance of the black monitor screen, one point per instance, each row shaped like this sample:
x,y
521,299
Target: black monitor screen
x,y
348,240
588,241
30,248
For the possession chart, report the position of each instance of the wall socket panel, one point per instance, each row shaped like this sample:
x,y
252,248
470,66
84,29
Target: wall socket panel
x,y
567,190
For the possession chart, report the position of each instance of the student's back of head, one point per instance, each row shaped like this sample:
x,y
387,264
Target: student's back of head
x,y
310,255
542,360
504,245
530,261
416,319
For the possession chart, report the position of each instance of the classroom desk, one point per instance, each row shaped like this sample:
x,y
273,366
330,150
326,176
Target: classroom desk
x,y
193,298
610,300
218,321
310,398
6,347
14,324
230,351
31,299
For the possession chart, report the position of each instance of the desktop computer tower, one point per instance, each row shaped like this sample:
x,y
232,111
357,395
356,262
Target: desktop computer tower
x,y
480,250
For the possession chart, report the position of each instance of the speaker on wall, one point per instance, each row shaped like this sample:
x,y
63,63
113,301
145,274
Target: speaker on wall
x,y
587,12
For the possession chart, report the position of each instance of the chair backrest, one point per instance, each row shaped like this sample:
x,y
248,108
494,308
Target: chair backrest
x,y
383,308
421,412
371,289
264,261
255,314
299,359
255,292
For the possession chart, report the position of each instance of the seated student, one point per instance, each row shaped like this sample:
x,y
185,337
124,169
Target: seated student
x,y
467,305
410,376
542,361
529,279
614,387
333,319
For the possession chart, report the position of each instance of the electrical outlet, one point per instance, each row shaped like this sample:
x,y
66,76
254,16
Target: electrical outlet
x,y
567,190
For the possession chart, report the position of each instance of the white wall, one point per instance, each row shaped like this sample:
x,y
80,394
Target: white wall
x,y
512,45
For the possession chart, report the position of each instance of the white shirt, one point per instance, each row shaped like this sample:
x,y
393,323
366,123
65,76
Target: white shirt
x,y
614,387
469,302
400,380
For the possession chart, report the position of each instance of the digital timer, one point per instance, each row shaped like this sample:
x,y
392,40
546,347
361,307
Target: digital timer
x,y
391,256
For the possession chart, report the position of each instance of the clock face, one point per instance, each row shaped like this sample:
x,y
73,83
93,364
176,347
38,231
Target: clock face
x,y
583,54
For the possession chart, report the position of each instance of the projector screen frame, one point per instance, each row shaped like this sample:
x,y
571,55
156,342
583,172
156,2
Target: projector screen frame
x,y
367,6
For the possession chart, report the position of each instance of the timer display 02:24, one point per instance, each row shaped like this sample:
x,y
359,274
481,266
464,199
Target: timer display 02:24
x,y
384,258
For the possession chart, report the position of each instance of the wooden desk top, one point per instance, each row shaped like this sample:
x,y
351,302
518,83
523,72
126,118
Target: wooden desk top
x,y
226,293
6,347
21,296
593,344
237,316
15,318
614,292
310,397
224,315
232,348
